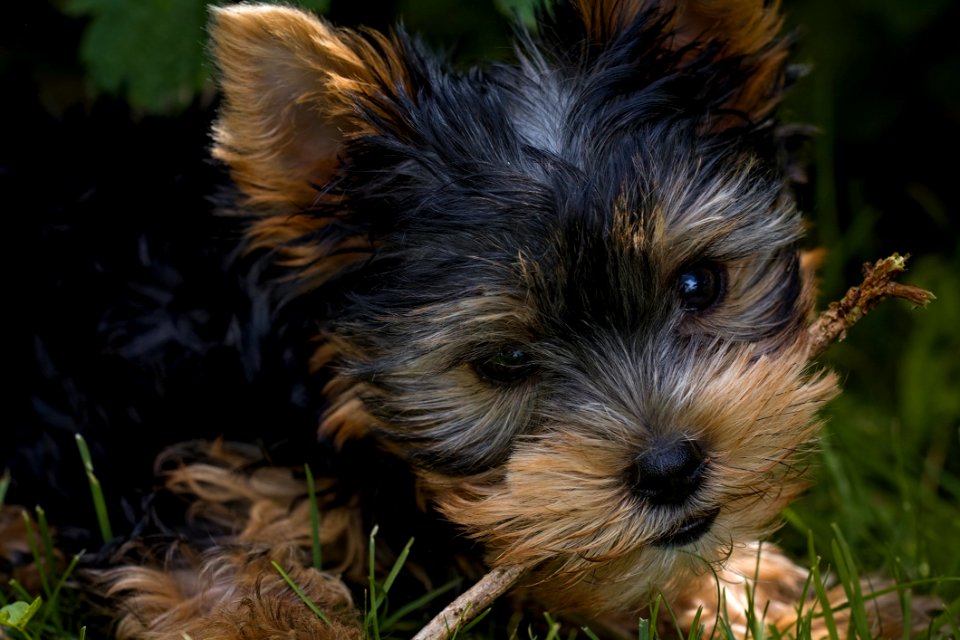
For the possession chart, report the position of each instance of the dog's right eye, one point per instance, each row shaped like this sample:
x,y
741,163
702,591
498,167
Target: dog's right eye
x,y
510,364
701,286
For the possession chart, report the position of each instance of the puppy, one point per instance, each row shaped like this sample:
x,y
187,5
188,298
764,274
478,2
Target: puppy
x,y
558,303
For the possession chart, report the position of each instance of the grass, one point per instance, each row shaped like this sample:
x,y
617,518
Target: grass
x,y
52,612
55,613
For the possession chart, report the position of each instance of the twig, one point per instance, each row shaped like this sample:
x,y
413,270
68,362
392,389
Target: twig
x,y
832,324
471,603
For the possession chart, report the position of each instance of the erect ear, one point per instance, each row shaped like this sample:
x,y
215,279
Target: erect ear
x,y
746,30
290,87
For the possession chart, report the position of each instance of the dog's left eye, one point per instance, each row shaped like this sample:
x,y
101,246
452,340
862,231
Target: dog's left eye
x,y
701,286
509,364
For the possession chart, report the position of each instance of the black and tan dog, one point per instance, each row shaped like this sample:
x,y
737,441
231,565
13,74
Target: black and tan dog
x,y
564,296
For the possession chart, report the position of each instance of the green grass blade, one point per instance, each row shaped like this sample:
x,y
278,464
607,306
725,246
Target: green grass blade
x,y
906,607
470,625
373,616
950,617
553,627
4,485
821,590
850,578
47,541
695,629
804,620
19,591
395,570
314,520
417,604
592,636
726,631
655,613
35,551
751,622
96,492
300,594
643,629
52,604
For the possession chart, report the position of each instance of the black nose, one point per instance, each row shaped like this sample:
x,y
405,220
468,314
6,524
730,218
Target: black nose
x,y
668,472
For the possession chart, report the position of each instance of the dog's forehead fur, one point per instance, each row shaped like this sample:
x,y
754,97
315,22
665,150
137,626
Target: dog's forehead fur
x,y
622,197
601,169
538,229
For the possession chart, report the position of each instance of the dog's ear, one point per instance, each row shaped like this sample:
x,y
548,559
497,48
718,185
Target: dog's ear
x,y
746,31
290,86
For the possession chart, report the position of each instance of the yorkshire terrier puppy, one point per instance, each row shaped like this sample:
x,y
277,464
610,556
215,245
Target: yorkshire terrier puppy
x,y
557,303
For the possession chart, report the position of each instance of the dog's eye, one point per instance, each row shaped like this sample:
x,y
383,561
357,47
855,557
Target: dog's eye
x,y
700,286
509,364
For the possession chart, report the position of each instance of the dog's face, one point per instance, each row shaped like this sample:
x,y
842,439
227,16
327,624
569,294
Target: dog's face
x,y
567,291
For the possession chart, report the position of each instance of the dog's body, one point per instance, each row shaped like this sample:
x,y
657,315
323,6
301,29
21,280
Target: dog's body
x,y
559,303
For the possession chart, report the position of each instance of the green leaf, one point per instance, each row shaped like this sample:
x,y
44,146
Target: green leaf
x,y
320,6
524,10
153,52
17,614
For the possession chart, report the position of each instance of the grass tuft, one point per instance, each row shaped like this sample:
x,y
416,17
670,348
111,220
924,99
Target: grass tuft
x,y
58,610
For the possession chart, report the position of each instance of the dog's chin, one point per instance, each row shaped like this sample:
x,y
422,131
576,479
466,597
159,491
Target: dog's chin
x,y
626,584
689,530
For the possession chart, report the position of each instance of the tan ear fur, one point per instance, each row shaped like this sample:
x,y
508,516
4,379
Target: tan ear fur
x,y
290,83
741,28
748,29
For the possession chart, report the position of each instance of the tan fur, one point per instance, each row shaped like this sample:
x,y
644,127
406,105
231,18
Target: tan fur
x,y
288,82
268,504
232,594
233,591
783,597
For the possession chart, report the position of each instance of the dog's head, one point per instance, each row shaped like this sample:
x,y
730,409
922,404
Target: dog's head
x,y
566,290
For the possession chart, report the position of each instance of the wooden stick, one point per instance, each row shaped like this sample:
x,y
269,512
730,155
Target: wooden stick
x,y
829,327
832,324
471,603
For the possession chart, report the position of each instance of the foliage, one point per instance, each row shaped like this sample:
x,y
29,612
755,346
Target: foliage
x,y
151,51
55,613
